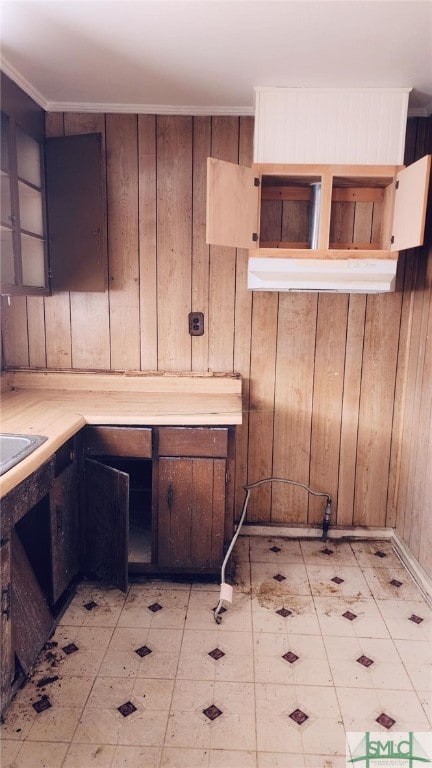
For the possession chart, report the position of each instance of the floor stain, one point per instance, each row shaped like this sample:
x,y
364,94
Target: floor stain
x,y
270,594
46,681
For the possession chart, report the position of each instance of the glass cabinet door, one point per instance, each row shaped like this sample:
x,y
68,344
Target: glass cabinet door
x,y
7,267
23,259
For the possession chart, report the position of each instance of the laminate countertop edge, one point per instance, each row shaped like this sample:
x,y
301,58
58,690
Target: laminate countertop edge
x,y
60,414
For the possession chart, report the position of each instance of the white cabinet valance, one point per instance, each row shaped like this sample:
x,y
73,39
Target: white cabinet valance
x,y
330,125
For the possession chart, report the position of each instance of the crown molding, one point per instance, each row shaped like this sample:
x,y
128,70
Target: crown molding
x,y
425,111
158,109
135,109
29,89
147,109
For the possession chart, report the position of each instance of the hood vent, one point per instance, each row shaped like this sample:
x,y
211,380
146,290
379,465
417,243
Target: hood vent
x,y
338,275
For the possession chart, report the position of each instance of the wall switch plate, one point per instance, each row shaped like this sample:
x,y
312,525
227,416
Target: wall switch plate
x,y
196,323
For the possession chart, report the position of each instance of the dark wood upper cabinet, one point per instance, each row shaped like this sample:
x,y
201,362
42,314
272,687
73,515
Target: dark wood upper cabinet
x,y
76,213
53,209
24,268
24,263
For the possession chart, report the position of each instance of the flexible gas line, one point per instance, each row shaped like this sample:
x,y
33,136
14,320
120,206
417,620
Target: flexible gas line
x,y
226,590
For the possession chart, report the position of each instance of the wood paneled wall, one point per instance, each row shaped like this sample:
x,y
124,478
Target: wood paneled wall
x,y
413,481
324,374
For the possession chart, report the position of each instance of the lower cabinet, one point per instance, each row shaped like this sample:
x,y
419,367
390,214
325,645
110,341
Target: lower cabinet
x,y
156,500
32,619
39,558
7,661
111,501
191,479
64,530
105,523
191,512
117,492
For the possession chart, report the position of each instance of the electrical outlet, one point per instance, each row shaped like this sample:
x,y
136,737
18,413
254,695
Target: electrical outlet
x,y
196,323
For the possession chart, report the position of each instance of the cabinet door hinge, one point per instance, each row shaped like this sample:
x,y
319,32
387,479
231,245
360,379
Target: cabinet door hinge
x,y
255,237
397,184
256,182
227,477
392,240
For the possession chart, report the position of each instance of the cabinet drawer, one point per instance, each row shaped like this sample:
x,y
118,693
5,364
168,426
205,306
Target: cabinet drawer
x,y
193,441
118,441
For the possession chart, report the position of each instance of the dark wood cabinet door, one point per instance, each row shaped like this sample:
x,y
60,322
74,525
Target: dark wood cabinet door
x,y
6,652
191,512
32,621
106,524
76,212
64,530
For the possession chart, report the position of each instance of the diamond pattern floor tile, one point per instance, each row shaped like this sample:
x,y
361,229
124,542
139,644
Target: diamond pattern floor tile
x,y
320,638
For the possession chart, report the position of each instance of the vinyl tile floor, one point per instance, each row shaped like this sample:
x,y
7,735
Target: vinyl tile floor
x,y
320,639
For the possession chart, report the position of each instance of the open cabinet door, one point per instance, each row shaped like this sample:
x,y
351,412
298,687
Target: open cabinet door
x,y
410,205
32,621
106,523
76,212
232,205
63,502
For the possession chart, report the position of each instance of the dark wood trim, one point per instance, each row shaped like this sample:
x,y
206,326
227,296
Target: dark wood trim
x,y
22,108
25,495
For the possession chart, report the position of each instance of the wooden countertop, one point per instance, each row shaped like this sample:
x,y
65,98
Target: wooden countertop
x,y
58,404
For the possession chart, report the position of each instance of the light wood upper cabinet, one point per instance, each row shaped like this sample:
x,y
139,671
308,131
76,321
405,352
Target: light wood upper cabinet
x,y
232,204
363,211
410,205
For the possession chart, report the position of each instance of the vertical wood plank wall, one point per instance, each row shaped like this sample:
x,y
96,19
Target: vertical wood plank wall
x,y
326,376
412,483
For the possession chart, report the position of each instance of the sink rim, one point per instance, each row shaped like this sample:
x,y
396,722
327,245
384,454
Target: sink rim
x,y
33,442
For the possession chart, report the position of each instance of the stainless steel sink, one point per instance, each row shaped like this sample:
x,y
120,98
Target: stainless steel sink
x,y
15,448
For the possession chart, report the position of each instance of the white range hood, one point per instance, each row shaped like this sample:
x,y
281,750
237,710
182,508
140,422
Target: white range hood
x,y
338,275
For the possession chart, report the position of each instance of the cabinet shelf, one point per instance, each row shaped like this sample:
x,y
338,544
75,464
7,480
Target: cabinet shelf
x,y
318,212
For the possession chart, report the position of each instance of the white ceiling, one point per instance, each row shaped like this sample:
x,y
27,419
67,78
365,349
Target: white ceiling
x,y
205,56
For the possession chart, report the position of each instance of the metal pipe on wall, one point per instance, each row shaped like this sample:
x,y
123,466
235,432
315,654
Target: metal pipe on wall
x,y
314,217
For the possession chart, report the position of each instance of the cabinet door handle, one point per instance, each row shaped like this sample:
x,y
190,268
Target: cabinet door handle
x,y
6,601
170,496
59,514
